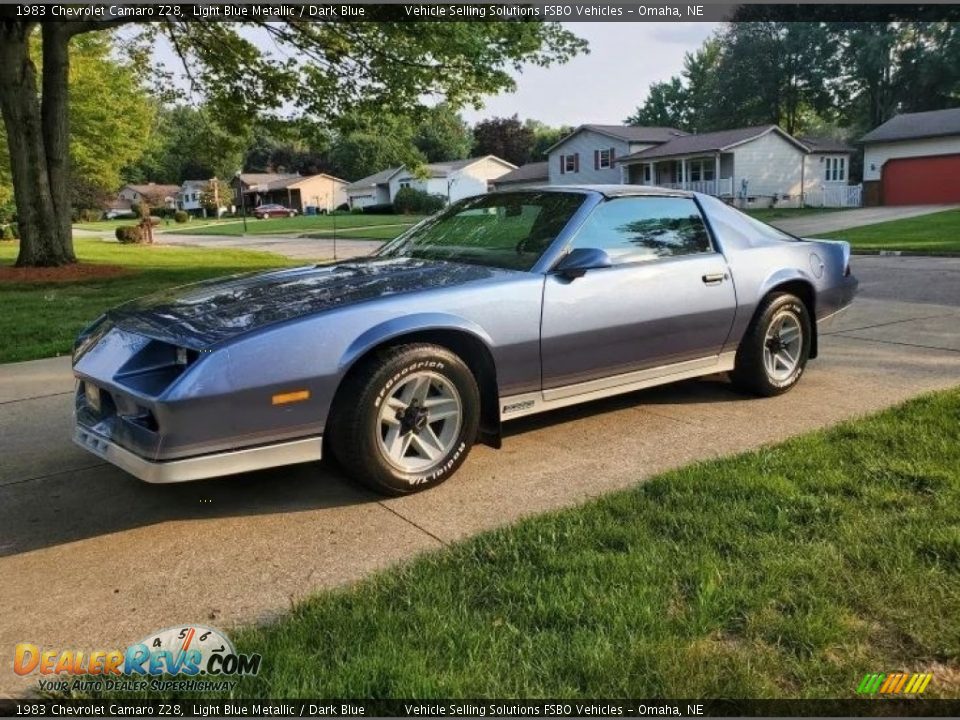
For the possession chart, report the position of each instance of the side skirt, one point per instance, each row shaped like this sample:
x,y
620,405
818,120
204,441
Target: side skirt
x,y
516,406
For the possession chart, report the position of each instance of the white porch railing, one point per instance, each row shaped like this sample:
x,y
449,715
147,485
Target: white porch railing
x,y
721,187
835,196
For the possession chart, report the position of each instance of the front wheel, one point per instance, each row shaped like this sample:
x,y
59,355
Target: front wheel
x,y
774,351
406,419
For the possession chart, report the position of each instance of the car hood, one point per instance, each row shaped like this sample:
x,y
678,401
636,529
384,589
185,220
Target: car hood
x,y
203,314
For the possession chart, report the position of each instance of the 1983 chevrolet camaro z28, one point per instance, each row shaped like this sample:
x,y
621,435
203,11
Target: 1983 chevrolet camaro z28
x,y
501,306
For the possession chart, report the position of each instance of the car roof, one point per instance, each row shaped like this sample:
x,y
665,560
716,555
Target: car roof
x,y
608,190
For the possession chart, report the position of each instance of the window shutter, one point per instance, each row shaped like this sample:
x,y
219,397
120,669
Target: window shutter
x,y
563,164
576,162
596,159
612,156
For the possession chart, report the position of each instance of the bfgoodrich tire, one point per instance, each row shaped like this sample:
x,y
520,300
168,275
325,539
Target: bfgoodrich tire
x,y
774,351
406,419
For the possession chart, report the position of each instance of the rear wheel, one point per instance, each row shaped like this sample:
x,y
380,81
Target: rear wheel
x,y
774,351
406,419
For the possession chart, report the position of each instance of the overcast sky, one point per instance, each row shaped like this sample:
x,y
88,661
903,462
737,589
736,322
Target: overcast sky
x,y
606,85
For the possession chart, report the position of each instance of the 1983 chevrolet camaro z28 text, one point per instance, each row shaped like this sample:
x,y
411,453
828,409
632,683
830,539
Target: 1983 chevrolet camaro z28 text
x,y
501,306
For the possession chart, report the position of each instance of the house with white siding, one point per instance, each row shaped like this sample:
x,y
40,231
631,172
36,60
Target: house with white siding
x,y
589,154
453,180
753,167
913,159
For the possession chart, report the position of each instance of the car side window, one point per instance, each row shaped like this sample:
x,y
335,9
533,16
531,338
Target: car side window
x,y
635,229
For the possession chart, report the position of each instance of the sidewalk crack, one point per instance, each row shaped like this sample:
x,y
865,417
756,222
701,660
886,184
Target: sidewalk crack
x,y
403,517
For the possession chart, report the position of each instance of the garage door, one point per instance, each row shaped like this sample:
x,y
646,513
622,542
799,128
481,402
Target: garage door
x,y
922,180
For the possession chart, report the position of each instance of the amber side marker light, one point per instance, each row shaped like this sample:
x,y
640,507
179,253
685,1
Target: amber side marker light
x,y
291,397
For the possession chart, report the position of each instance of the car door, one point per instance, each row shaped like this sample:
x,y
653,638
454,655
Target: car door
x,y
668,297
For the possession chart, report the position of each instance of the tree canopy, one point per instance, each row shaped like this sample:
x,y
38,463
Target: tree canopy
x,y
808,76
322,70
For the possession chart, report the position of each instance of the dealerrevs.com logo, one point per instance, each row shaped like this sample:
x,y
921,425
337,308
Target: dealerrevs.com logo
x,y
186,657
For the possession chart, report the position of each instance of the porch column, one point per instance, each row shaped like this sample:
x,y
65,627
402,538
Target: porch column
x,y
716,175
684,174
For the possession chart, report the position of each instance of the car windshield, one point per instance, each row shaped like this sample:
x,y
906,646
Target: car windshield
x,y
508,230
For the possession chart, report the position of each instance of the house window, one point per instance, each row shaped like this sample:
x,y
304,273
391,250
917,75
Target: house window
x,y
569,163
646,174
603,159
836,170
404,183
695,171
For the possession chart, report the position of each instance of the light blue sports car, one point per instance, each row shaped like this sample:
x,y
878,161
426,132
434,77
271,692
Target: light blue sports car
x,y
501,306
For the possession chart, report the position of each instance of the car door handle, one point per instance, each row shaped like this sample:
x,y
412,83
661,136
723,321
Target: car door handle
x,y
714,278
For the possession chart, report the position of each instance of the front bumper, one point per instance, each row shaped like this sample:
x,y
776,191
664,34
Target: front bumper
x,y
203,466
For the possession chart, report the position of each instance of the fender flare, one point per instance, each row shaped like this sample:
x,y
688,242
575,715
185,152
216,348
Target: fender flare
x,y
397,327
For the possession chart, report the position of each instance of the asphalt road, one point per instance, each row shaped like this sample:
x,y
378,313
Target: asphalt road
x,y
91,558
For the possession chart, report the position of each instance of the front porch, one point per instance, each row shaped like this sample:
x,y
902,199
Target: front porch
x,y
707,174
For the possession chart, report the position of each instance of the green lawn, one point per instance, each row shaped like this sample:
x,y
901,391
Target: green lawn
x,y
42,319
768,214
790,571
937,232
111,225
321,225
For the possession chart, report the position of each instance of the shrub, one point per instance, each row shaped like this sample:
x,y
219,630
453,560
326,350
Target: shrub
x,y
382,209
7,232
409,201
342,207
89,215
127,234
140,209
356,211
181,216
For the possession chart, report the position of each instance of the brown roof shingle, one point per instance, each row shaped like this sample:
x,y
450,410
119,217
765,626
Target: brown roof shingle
x,y
909,126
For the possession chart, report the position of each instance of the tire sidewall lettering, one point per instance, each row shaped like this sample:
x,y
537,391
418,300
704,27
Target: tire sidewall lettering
x,y
402,373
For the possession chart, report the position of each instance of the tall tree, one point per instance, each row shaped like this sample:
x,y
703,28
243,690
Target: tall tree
x,y
667,105
111,114
190,143
545,137
442,134
507,138
370,144
328,67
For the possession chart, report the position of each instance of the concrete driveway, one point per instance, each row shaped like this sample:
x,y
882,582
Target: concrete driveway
x,y
91,558
811,225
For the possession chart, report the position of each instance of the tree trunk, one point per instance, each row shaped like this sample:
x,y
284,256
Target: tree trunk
x,y
55,114
42,241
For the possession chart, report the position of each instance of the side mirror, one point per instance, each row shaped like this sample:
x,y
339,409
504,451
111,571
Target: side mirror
x,y
576,263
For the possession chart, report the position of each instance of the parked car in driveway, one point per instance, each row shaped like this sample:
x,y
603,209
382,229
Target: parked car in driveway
x,y
503,305
115,213
270,211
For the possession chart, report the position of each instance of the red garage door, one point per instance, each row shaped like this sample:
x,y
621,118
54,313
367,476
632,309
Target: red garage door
x,y
922,180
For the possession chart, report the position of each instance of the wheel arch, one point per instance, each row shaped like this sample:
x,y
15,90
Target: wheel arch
x,y
461,337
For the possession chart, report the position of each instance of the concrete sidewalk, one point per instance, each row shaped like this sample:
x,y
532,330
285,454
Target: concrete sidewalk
x,y
92,558
811,225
